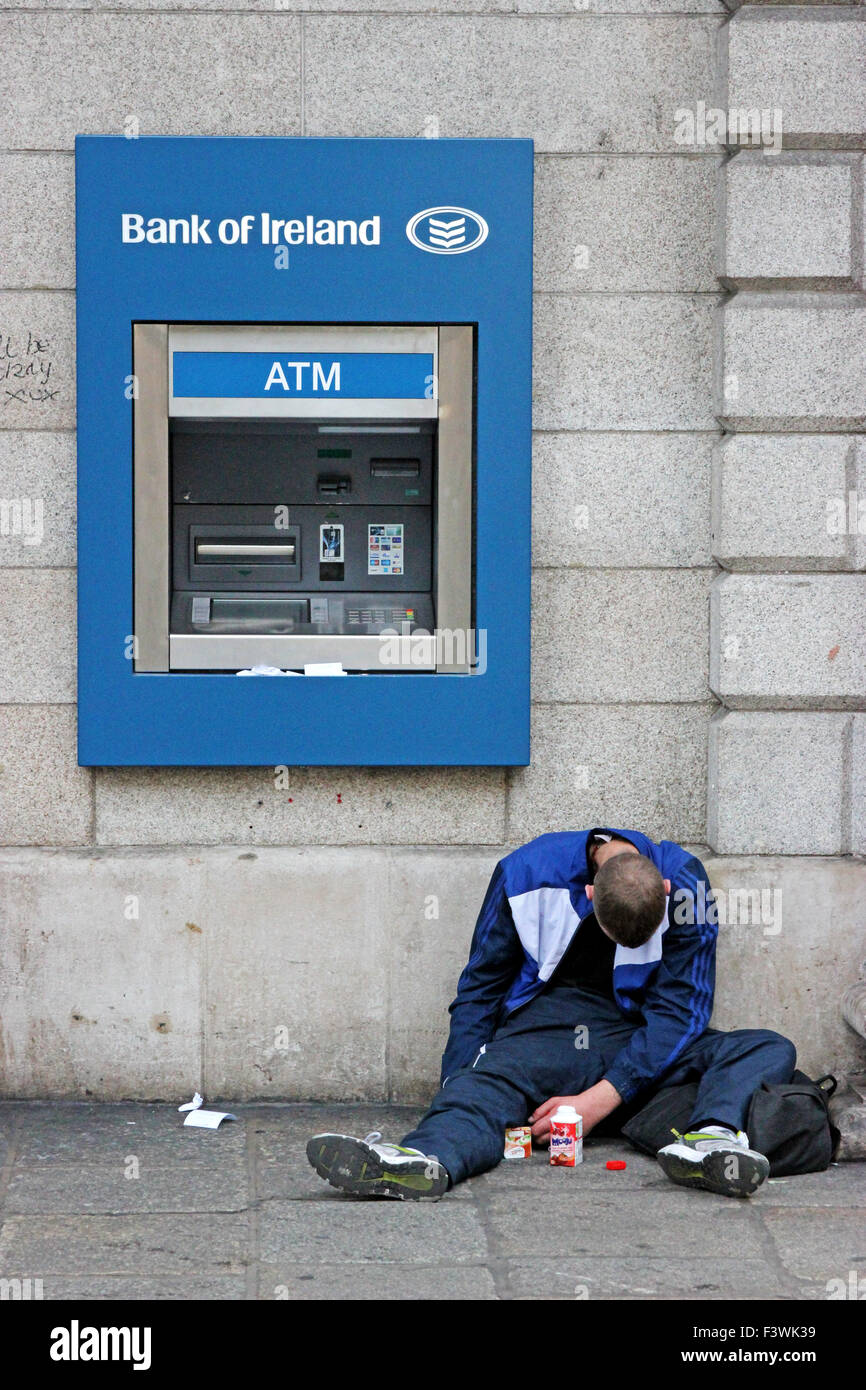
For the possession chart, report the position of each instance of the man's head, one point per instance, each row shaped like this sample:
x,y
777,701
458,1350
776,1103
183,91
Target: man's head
x,y
627,893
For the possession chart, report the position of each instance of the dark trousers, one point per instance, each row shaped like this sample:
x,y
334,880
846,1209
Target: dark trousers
x,y
561,1043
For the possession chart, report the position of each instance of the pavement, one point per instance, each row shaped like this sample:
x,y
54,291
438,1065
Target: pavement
x,y
121,1201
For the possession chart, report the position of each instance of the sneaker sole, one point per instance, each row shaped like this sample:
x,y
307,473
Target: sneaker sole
x,y
715,1171
354,1166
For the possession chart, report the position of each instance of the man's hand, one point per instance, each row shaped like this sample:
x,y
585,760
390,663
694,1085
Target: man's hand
x,y
593,1105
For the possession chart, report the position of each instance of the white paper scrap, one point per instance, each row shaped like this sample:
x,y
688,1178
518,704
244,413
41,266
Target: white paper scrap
x,y
324,668
208,1119
193,1104
267,671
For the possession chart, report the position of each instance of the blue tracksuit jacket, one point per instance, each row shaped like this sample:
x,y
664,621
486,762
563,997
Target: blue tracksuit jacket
x,y
534,905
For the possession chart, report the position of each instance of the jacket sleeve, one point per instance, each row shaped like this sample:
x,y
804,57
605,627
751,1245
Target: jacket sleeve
x,y
495,957
678,1003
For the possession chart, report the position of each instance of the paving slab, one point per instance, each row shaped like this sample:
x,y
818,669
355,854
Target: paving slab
x,y
819,1243
374,1283
136,1184
199,1244
238,1214
76,1133
536,1175
842,1185
357,1231
667,1221
661,1280
282,1125
168,1289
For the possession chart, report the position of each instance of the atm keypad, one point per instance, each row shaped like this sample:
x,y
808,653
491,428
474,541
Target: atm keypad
x,y
359,616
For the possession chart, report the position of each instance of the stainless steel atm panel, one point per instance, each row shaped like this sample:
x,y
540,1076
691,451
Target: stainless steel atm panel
x,y
297,530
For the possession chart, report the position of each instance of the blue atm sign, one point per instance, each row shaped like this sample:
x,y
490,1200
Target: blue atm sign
x,y
350,375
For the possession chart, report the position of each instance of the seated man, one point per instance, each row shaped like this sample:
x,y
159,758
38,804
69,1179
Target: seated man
x,y
589,983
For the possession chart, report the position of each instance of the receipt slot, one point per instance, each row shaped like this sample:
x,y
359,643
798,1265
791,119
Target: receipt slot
x,y
303,419
303,495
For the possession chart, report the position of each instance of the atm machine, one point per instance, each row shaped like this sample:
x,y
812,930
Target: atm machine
x,y
303,494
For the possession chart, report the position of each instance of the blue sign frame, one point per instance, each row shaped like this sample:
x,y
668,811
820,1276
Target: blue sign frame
x,y
127,718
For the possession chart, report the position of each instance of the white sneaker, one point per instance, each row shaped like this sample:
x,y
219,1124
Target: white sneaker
x,y
717,1159
369,1168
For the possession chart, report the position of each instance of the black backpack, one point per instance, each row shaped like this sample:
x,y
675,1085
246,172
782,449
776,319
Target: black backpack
x,y
789,1123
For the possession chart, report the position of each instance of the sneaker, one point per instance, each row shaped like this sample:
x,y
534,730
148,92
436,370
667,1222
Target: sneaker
x,y
369,1168
717,1159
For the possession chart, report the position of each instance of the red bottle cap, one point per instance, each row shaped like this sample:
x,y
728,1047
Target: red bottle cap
x,y
615,1163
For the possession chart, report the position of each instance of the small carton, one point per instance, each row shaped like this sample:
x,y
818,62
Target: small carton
x,y
518,1141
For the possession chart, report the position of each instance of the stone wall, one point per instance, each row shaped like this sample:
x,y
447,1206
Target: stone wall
x,y
787,629
698,631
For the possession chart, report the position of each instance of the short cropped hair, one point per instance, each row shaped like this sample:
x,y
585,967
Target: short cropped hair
x,y
629,898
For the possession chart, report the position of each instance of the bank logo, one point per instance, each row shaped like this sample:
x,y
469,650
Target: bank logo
x,y
446,231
